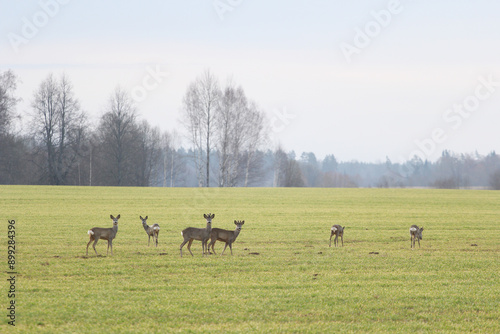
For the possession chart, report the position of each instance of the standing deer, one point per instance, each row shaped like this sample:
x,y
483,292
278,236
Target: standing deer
x,y
152,231
338,231
415,234
193,233
109,234
225,235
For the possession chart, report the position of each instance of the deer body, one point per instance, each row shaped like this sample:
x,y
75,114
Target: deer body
x,y
415,235
337,230
152,231
225,235
108,234
193,233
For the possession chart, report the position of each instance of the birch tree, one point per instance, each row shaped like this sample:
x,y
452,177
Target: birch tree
x,y
200,107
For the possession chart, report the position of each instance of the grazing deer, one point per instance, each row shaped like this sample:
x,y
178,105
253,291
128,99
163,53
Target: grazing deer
x,y
109,234
152,230
225,235
338,231
415,234
193,233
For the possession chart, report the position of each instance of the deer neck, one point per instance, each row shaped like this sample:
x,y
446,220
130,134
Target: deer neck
x,y
146,227
236,233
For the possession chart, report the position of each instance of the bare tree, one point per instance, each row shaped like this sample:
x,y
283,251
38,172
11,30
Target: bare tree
x,y
200,109
59,124
117,133
13,149
171,158
8,84
230,134
147,158
240,132
257,135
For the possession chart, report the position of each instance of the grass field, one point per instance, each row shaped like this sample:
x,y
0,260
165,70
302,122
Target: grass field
x,y
283,277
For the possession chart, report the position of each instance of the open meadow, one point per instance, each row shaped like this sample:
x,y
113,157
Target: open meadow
x,y
283,277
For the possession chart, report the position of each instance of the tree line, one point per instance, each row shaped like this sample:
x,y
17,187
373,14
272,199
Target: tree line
x,y
228,146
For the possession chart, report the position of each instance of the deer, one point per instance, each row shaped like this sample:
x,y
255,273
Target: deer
x,y
415,234
109,234
152,231
225,235
193,233
338,231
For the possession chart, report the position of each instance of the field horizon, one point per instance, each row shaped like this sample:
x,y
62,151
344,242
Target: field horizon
x,y
282,276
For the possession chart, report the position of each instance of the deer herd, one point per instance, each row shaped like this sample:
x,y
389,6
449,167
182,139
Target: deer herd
x,y
214,234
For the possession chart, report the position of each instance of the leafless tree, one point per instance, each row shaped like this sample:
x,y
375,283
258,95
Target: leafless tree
x,y
240,132
14,167
59,124
230,134
118,134
171,158
200,107
147,159
8,84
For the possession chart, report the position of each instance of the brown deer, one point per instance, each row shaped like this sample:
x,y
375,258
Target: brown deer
x,y
109,234
193,233
415,234
225,235
152,231
338,231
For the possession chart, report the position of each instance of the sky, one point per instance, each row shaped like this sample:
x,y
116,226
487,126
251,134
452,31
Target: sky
x,y
362,80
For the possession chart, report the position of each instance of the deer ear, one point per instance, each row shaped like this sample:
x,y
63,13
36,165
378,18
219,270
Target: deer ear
x,y
146,217
118,217
140,217
111,216
242,222
213,216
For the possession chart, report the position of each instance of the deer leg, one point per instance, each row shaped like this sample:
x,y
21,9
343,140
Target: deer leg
x,y
330,245
204,246
336,241
212,243
182,245
231,248
342,238
88,244
157,238
189,246
418,242
93,246
224,249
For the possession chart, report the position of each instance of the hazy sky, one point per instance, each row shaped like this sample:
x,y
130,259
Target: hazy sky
x,y
358,79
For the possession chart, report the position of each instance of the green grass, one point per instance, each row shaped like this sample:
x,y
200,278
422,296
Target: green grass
x,y
295,283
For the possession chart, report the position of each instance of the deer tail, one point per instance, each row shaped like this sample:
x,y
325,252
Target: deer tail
x,y
90,232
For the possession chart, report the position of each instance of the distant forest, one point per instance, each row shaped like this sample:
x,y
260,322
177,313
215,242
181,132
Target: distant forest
x,y
227,147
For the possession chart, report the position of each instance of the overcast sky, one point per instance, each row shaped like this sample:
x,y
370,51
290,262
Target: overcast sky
x,y
362,80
